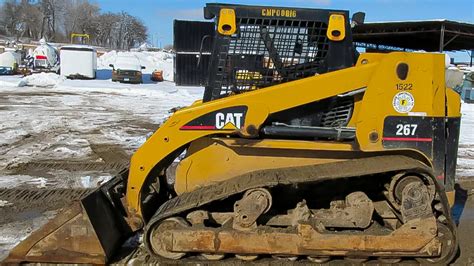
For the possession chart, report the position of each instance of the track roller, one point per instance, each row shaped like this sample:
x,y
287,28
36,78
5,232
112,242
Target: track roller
x,y
319,259
246,257
212,257
160,231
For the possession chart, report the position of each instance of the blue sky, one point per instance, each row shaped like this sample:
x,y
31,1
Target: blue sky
x,y
158,15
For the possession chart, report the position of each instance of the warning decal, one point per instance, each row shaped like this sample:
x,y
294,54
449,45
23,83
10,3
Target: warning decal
x,y
403,102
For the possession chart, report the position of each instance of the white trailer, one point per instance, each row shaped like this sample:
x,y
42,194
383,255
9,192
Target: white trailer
x,y
9,62
78,61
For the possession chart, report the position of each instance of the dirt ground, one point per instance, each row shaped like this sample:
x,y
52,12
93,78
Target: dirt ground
x,y
75,141
463,213
57,144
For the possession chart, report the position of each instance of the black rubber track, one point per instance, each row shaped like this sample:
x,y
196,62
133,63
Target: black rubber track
x,y
294,175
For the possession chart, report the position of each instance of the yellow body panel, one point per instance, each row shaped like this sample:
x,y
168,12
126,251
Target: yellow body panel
x,y
374,72
453,100
426,75
213,160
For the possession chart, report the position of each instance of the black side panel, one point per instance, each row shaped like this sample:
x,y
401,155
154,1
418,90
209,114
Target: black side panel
x,y
187,35
193,46
426,134
436,137
188,71
452,141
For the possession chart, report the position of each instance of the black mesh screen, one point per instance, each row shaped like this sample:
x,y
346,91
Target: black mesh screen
x,y
265,52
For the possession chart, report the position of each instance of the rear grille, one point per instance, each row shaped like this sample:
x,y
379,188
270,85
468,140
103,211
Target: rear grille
x,y
126,73
339,113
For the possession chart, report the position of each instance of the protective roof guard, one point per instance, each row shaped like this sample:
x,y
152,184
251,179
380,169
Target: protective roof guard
x,y
211,10
273,45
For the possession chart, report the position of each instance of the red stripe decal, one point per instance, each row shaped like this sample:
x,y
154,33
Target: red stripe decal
x,y
198,127
408,139
41,57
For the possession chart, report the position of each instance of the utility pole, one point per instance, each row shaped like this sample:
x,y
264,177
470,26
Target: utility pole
x,y
472,57
441,38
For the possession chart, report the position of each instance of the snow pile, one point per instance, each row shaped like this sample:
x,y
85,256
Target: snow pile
x,y
467,69
104,60
8,81
465,167
144,47
150,60
41,80
4,203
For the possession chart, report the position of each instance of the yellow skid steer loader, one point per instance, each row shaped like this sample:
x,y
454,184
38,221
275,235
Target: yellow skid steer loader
x,y
300,148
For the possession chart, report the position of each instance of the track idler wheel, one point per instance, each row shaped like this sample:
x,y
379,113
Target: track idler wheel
x,y
159,232
254,203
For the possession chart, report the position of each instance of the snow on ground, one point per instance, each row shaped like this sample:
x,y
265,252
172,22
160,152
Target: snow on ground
x,y
17,231
57,133
64,120
41,80
150,60
465,168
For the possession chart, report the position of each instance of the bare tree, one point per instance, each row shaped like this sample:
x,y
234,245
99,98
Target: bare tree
x,y
32,16
57,19
52,12
129,32
106,24
10,21
81,17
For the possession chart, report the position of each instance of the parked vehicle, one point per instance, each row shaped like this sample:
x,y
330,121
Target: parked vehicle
x,y
127,69
45,57
78,61
157,75
467,93
9,62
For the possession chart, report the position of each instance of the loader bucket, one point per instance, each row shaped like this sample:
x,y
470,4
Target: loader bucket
x,y
89,231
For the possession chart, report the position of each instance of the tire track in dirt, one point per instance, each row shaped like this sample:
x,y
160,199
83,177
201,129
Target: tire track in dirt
x,y
30,202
